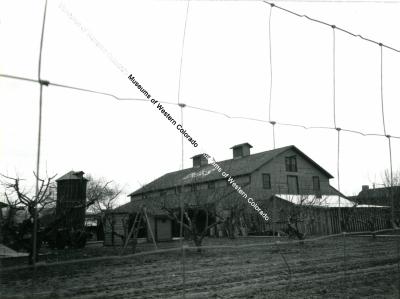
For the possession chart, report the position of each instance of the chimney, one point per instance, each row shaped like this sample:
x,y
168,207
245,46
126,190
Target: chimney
x,y
241,150
364,188
199,160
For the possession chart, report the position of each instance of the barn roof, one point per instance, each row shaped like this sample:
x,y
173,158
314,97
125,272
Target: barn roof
x,y
72,175
235,167
155,205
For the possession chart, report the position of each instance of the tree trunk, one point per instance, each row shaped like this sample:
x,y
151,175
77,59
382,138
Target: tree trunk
x,y
198,242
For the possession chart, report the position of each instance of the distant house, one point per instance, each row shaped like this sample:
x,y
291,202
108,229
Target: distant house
x,y
380,197
285,171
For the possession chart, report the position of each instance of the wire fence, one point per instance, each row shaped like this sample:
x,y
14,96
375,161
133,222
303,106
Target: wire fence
x,y
289,252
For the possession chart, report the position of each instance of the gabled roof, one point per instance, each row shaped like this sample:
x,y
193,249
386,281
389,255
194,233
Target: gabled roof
x,y
155,204
72,175
235,167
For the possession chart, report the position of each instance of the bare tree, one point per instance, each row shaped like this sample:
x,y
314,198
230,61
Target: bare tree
x,y
206,204
217,204
18,198
16,195
387,179
102,196
199,204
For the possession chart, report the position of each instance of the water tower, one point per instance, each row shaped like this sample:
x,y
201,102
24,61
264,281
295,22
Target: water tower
x,y
71,199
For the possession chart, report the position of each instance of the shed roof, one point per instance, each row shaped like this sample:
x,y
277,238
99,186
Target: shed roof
x,y
72,175
327,201
371,206
135,206
235,167
239,145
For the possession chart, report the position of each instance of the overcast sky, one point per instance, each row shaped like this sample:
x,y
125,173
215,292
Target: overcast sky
x,y
226,68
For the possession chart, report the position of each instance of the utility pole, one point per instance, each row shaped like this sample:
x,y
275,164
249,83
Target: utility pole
x,y
41,82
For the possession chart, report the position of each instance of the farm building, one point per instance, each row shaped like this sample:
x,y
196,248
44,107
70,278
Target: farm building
x,y
381,197
71,198
119,220
271,178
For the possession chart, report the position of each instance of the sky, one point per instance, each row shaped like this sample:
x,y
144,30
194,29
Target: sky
x,y
226,67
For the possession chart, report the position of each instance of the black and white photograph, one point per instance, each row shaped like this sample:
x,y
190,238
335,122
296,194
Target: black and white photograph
x,y
200,149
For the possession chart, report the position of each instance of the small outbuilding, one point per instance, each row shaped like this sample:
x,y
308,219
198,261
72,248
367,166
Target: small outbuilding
x,y
119,221
71,199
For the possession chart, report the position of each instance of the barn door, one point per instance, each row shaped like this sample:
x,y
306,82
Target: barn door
x,y
293,184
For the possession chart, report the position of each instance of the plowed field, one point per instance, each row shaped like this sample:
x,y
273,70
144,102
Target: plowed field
x,y
360,267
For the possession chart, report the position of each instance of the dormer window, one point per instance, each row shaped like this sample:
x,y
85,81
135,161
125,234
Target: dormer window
x,y
291,164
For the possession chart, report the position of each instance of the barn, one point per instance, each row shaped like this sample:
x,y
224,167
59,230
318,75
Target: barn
x,y
273,179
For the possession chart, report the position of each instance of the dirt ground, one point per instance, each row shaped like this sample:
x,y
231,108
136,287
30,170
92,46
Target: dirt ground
x,y
316,269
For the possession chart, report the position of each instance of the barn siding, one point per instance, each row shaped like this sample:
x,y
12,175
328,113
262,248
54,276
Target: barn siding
x,y
115,227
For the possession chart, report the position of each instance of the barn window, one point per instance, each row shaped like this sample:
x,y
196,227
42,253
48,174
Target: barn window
x,y
316,183
266,180
291,164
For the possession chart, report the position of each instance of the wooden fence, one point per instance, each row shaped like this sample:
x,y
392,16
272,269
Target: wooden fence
x,y
325,221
